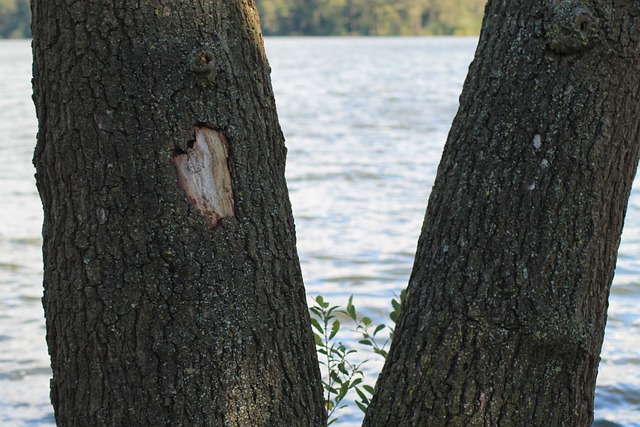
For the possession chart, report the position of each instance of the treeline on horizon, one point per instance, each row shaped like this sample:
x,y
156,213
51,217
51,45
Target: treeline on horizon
x,y
325,17
370,17
15,19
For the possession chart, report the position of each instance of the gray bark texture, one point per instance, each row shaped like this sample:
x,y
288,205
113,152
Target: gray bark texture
x,y
173,292
506,306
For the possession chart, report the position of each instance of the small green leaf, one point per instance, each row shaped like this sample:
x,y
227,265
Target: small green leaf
x,y
366,321
316,324
362,396
331,390
362,407
381,352
342,369
316,312
368,388
378,329
332,309
334,329
343,391
366,342
336,349
318,340
351,309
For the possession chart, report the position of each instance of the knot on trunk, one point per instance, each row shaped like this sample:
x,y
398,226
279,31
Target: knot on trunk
x,y
571,27
203,64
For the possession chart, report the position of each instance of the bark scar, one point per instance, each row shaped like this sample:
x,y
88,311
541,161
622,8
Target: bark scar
x,y
571,27
204,176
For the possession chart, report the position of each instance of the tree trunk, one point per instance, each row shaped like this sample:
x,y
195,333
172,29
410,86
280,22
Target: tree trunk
x,y
506,306
173,292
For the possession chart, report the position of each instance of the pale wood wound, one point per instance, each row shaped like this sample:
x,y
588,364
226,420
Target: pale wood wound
x,y
203,174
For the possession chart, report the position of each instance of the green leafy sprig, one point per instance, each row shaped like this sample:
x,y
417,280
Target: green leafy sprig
x,y
340,374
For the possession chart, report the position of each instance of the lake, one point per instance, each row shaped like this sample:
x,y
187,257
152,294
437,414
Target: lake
x,y
365,121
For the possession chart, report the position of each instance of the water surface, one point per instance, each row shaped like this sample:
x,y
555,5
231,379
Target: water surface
x,y
365,121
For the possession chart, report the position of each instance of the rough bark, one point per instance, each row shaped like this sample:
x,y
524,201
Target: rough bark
x,y
173,292
506,305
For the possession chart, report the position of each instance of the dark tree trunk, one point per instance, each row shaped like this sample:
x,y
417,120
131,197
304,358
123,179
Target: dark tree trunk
x,y
506,306
173,293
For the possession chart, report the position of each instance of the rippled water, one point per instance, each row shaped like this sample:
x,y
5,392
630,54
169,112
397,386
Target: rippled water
x,y
365,121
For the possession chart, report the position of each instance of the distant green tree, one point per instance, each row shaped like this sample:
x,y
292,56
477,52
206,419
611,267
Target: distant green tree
x,y
456,17
15,19
276,15
370,17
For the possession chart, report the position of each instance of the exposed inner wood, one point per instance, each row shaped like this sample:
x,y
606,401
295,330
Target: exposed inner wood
x,y
203,174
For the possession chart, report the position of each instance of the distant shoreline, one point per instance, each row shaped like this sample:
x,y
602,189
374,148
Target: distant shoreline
x,y
356,36
319,18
